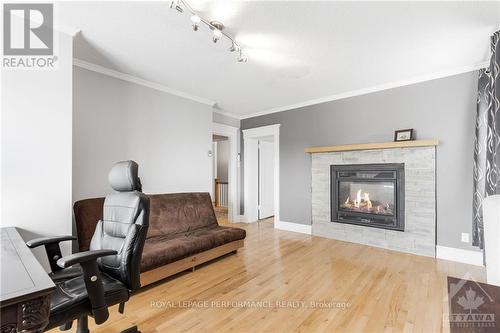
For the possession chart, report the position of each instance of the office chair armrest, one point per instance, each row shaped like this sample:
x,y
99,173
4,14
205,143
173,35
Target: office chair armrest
x,y
81,257
52,248
92,279
48,240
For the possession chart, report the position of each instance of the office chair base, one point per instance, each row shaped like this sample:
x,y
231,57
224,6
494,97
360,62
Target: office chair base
x,y
132,329
82,325
66,326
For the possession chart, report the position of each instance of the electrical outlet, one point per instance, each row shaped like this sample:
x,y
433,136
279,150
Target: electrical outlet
x,y
465,237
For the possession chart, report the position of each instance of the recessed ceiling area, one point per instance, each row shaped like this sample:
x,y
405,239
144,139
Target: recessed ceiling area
x,y
298,52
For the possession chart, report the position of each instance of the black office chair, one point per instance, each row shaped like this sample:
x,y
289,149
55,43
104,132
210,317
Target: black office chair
x,y
110,270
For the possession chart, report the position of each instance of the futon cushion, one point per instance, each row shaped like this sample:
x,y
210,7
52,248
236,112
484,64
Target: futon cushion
x,y
165,249
180,225
176,213
171,213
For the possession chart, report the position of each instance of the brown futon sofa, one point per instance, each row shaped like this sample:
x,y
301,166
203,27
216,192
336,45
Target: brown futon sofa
x,y
183,232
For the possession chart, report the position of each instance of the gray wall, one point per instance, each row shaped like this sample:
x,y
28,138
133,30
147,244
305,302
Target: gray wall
x,y
441,109
116,120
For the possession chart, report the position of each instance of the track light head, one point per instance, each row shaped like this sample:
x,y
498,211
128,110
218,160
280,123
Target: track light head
x,y
177,5
217,27
196,20
242,58
217,35
234,47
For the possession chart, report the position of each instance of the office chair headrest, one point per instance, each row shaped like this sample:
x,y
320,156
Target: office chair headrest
x,y
123,177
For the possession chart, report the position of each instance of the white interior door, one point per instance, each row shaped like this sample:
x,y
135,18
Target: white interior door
x,y
266,179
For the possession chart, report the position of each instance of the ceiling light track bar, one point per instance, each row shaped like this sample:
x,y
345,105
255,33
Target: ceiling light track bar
x,y
215,26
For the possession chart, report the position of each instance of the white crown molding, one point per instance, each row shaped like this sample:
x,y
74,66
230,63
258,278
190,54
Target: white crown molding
x,y
295,227
291,107
227,114
460,255
385,86
130,78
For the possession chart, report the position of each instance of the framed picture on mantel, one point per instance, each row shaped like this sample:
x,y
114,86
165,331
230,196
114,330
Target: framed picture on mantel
x,y
404,135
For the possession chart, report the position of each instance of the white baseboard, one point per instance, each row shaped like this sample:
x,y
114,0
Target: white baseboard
x,y
459,255
243,219
295,227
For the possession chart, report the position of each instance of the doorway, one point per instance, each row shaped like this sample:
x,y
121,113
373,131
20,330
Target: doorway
x,y
220,185
261,173
225,140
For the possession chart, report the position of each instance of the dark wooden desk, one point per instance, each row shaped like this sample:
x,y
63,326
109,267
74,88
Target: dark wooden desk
x,y
25,287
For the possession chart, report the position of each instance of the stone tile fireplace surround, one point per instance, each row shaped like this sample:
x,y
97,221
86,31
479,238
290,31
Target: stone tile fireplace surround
x,y
419,236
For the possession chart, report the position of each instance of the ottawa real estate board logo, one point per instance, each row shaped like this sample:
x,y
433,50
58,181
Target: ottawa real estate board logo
x,y
472,307
28,36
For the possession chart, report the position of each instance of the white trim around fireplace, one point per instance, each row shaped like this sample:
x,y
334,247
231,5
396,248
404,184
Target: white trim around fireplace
x,y
459,255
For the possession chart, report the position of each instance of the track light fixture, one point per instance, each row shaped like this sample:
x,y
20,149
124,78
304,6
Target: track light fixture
x,y
242,57
234,47
215,26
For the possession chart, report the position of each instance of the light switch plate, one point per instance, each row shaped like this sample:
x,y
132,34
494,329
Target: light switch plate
x,y
465,237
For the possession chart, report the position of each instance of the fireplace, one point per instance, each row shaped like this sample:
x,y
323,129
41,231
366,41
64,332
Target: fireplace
x,y
368,194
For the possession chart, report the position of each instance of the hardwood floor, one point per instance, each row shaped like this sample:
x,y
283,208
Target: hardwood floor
x,y
221,214
359,289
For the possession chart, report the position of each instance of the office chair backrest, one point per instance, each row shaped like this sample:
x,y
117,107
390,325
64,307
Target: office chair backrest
x,y
124,225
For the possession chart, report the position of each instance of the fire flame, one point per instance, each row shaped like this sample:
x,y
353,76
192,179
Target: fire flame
x,y
358,199
366,198
363,202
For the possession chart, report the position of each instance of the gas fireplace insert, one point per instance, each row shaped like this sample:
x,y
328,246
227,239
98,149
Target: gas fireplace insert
x,y
368,194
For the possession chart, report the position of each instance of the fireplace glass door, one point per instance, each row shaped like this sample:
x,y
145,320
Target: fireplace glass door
x,y
368,195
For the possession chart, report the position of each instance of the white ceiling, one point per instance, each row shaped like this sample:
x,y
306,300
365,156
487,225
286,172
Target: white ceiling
x,y
299,52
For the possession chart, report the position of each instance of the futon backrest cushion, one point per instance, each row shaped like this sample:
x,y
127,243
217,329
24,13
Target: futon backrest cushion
x,y
180,213
87,213
169,214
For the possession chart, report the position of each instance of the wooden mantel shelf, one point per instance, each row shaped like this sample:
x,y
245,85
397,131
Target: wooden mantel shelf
x,y
368,146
